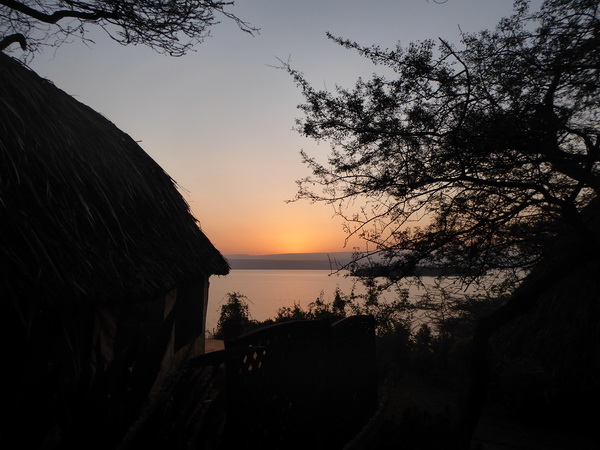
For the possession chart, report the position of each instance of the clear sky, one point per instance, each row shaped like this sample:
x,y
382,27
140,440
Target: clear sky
x,y
219,120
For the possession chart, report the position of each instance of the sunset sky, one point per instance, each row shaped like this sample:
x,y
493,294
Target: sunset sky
x,y
219,120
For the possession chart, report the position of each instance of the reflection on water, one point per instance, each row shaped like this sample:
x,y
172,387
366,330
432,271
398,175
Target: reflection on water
x,y
269,290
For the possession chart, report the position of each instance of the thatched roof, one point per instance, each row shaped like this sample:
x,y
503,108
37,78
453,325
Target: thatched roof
x,y
84,211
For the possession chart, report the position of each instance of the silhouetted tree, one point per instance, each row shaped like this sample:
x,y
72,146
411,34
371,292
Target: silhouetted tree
x,y
234,316
492,146
171,27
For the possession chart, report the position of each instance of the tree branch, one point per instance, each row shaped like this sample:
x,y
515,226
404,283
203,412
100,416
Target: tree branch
x,y
58,15
8,40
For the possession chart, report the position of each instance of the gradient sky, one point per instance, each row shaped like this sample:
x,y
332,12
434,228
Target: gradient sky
x,y
219,120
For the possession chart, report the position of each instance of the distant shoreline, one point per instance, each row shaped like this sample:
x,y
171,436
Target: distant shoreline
x,y
290,261
266,264
280,265
322,261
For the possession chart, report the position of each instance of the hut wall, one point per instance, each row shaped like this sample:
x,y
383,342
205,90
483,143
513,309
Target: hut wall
x,y
190,313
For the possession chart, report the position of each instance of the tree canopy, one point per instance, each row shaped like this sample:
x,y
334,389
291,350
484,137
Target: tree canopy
x,y
474,155
172,27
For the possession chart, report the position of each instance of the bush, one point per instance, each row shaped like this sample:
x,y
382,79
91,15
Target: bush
x,y
234,317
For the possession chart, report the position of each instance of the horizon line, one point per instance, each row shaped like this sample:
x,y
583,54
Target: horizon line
x,y
286,253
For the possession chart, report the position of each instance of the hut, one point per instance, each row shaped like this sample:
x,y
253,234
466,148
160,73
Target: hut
x,y
104,271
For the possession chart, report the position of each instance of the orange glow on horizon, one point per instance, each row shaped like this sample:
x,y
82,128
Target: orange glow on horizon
x,y
253,239
281,242
305,241
268,229
269,225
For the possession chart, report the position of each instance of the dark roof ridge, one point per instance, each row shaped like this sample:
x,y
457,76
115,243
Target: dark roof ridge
x,y
85,211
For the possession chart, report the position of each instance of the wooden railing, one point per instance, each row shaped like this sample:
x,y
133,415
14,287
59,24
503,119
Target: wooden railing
x,y
299,384
307,385
352,391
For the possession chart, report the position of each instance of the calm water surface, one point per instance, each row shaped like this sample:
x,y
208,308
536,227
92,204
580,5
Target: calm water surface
x,y
269,290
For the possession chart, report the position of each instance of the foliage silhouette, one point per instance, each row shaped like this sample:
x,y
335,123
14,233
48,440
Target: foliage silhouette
x,y
482,157
167,27
489,148
234,317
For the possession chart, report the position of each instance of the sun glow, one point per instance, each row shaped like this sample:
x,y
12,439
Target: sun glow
x,y
294,242
256,239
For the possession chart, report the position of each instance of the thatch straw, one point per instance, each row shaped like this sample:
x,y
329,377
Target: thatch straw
x,y
85,212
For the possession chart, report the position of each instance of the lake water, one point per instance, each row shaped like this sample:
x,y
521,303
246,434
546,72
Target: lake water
x,y
269,290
